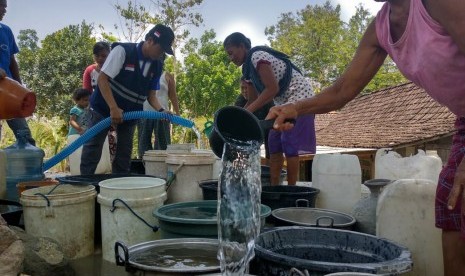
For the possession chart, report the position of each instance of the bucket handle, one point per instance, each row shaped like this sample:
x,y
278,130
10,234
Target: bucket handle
x,y
302,200
119,260
113,208
331,224
48,209
172,176
298,272
44,196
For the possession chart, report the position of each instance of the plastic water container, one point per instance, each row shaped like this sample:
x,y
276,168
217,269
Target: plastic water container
x,y
65,215
217,165
154,162
339,178
24,163
103,166
391,165
180,148
188,170
142,195
405,214
2,174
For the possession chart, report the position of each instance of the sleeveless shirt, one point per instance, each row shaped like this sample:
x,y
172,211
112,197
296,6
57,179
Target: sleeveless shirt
x,y
426,55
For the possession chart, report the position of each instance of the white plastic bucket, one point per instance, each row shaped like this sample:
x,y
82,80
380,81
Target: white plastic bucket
x,y
142,195
2,174
180,148
188,170
405,214
339,178
391,165
217,165
67,216
104,165
154,162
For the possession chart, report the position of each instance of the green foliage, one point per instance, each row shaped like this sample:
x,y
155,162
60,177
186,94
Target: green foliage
x,y
322,45
177,14
208,80
55,70
136,20
50,135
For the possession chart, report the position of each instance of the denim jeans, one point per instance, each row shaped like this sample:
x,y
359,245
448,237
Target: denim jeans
x,y
92,150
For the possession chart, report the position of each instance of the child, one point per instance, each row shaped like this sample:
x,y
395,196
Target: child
x,y
77,126
77,122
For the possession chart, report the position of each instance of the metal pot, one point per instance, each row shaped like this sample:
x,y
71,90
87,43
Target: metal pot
x,y
312,217
166,257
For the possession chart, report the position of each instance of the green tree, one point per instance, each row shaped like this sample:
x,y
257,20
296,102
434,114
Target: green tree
x,y
208,80
28,45
177,14
388,74
322,45
58,67
312,37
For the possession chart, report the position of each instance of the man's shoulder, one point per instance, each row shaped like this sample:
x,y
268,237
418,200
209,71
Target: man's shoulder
x,y
5,28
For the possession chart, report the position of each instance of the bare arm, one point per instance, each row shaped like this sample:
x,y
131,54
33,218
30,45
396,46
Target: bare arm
x,y
251,94
153,100
74,124
271,88
366,62
116,113
14,68
172,95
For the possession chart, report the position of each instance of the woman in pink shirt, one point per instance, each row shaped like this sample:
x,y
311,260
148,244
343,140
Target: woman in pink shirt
x,y
101,51
89,78
426,39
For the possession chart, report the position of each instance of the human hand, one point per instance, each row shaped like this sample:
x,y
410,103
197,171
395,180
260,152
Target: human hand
x,y
116,115
281,113
458,188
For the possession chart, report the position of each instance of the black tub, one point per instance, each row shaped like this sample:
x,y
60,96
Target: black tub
x,y
209,189
321,251
265,176
283,196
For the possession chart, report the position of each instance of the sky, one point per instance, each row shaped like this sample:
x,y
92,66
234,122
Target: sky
x,y
250,17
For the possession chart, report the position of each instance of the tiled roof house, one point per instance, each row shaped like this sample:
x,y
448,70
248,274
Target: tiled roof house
x,y
403,118
394,117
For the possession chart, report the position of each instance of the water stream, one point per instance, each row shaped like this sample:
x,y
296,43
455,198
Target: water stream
x,y
199,138
239,206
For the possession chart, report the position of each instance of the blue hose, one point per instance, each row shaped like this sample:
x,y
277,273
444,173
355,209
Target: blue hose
x,y
105,123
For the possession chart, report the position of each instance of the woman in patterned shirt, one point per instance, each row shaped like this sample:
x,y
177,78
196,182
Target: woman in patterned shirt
x,y
271,76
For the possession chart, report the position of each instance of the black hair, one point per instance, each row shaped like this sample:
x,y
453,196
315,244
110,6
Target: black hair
x,y
236,39
80,93
101,46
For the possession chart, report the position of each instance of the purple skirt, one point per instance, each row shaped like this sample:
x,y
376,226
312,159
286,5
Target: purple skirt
x,y
301,139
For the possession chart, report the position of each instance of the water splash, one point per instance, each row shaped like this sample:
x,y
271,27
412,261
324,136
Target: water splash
x,y
199,137
239,206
